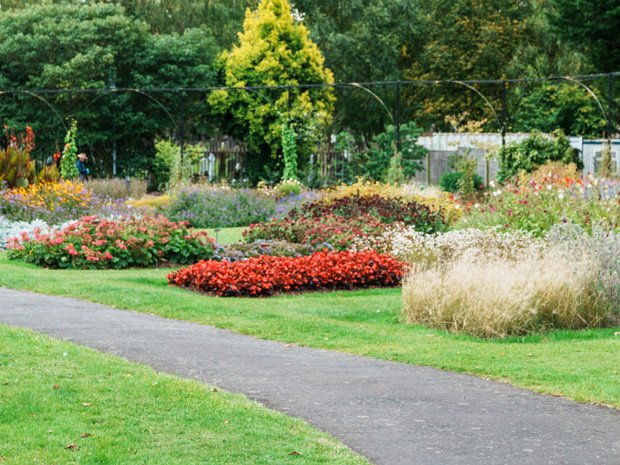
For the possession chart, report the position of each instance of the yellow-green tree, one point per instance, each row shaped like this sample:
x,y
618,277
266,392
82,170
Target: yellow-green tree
x,y
274,50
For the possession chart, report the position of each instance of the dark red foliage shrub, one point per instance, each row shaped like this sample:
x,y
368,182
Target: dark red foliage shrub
x,y
339,221
270,275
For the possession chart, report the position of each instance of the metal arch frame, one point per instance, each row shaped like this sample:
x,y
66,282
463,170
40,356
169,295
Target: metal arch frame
x,y
592,94
105,92
359,86
482,96
32,94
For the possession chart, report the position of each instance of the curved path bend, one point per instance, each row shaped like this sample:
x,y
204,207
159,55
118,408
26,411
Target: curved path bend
x,y
390,412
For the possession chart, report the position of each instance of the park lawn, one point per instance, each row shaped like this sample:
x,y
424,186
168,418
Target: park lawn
x,y
62,403
227,235
581,365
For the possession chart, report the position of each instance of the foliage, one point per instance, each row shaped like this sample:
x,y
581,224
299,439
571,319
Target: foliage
x,y
242,251
533,152
383,148
16,167
333,230
68,167
267,275
288,187
273,50
68,45
539,202
48,174
173,166
214,207
450,182
289,153
591,26
482,40
438,202
395,174
606,169
339,221
551,106
96,243
467,186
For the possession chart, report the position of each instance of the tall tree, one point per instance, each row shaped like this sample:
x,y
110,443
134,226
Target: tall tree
x,y
97,46
464,40
274,50
592,26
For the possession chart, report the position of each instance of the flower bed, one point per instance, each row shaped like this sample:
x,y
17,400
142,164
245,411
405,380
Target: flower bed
x,y
536,203
267,275
242,251
339,221
95,243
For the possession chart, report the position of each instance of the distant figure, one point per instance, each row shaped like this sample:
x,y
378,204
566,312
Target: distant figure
x,y
81,167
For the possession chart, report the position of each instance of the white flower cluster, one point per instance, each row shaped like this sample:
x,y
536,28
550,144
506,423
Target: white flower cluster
x,y
476,245
10,229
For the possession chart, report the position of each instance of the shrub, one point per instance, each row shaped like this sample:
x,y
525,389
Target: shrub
x,y
217,207
533,152
95,243
449,182
270,275
68,167
241,251
16,167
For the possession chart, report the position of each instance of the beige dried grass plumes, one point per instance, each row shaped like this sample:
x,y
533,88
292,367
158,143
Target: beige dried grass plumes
x,y
500,298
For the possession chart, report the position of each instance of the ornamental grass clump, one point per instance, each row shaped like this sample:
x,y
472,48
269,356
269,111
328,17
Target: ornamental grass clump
x,y
265,275
99,243
219,207
569,282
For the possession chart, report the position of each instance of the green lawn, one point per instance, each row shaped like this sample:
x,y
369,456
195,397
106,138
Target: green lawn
x,y
583,365
227,235
64,404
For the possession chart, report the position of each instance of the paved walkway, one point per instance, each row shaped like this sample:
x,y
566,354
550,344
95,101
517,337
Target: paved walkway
x,y
392,413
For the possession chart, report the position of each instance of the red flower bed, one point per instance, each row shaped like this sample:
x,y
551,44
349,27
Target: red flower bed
x,y
267,275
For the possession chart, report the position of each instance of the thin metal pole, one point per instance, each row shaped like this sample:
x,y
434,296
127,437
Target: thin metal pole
x,y
397,118
504,111
610,96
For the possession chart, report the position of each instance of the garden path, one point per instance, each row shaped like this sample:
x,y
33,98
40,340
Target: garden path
x,y
392,413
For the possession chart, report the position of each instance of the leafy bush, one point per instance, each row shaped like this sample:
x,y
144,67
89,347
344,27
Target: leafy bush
x,y
449,182
95,243
243,251
533,152
68,167
16,167
270,275
383,148
216,207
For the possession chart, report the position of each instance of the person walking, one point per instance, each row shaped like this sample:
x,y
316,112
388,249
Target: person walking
x,y
81,167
